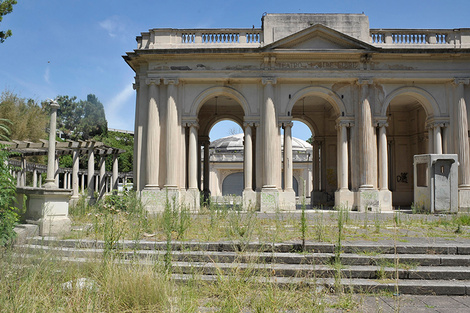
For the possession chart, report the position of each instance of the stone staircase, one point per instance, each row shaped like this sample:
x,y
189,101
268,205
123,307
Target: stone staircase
x,y
429,267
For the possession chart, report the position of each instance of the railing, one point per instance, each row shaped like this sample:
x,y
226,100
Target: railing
x,y
415,37
200,38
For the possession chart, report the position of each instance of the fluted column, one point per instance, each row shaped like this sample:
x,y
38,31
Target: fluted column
x,y
366,137
91,172
50,179
205,183
288,171
75,168
270,131
192,156
343,166
462,135
259,157
248,157
383,156
172,135
153,136
445,138
437,138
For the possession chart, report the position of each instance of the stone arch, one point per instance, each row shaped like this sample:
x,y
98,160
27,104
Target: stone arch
x,y
310,124
322,92
424,98
218,91
219,118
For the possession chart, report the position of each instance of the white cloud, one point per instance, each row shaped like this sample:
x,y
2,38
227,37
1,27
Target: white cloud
x,y
47,75
119,109
114,25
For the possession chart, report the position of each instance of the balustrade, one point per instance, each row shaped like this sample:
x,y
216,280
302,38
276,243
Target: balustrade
x,y
412,37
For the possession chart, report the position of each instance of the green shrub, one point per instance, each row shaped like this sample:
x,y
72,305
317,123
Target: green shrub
x,y
8,216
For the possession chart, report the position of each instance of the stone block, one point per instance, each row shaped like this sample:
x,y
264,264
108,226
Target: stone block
x,y
344,198
287,201
269,200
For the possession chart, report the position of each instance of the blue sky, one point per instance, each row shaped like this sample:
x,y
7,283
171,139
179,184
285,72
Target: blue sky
x,y
75,47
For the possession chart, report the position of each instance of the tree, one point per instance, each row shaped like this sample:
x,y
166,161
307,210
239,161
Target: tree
x,y
81,119
120,141
6,6
28,119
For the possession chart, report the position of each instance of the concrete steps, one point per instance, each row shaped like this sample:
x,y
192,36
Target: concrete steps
x,y
440,268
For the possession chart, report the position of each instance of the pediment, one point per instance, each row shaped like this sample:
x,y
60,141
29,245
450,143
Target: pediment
x,y
319,38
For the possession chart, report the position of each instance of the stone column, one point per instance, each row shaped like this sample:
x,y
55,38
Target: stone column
x,y
50,180
270,132
365,137
248,157
23,172
39,180
82,178
91,174
56,175
115,171
288,171
102,175
172,135
35,178
192,156
258,154
316,165
383,157
445,138
430,138
153,136
343,156
462,135
205,184
437,138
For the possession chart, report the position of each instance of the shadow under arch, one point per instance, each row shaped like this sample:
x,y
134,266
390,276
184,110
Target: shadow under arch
x,y
212,92
322,92
424,98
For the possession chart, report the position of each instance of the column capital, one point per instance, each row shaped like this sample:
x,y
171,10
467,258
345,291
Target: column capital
x,y
461,81
247,124
381,121
53,104
150,81
171,81
342,121
365,81
204,140
269,80
192,123
288,124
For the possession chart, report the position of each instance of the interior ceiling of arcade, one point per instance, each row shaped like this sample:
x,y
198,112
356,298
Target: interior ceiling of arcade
x,y
216,109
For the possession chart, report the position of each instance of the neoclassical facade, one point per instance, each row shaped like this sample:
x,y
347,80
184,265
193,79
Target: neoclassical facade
x,y
373,98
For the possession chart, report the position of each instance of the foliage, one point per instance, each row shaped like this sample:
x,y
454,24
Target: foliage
x,y
8,216
120,141
28,119
81,119
4,129
6,6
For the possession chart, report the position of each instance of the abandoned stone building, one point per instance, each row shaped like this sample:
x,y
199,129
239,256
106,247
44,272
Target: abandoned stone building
x,y
373,99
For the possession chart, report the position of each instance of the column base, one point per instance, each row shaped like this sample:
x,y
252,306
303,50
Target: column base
x,y
48,208
250,202
155,200
367,199
192,199
385,200
287,200
269,200
344,198
464,199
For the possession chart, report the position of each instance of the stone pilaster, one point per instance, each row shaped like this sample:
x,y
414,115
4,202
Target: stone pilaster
x,y
172,135
385,195
153,136
343,196
249,196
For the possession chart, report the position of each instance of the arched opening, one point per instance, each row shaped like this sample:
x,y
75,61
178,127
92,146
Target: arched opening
x,y
407,136
320,115
221,142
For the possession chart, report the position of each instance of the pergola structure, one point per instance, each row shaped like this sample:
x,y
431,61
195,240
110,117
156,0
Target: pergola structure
x,y
72,178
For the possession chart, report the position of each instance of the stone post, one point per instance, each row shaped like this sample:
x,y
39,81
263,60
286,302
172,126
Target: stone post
x,y
35,178
91,174
102,175
115,171
50,180
172,135
153,136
